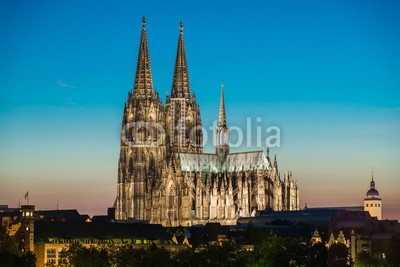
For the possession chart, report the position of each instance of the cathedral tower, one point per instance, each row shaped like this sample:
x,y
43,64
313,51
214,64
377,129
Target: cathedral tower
x,y
143,147
372,201
183,114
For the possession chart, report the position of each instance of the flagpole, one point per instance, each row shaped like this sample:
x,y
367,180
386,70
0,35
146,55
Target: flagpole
x,y
27,197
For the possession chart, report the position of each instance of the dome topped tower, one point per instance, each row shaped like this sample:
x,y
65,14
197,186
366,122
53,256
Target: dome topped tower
x,y
372,201
372,193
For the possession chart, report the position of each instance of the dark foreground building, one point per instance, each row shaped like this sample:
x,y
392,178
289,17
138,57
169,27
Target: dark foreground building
x,y
46,236
351,226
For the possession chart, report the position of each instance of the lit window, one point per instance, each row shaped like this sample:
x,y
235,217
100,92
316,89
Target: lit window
x,y
51,256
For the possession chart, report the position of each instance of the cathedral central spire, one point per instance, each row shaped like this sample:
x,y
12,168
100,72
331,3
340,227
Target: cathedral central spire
x,y
143,86
222,132
222,117
180,84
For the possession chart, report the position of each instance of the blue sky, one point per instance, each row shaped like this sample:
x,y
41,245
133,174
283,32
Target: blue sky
x,y
325,72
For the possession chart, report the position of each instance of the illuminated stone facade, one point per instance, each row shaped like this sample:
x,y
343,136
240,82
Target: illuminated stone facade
x,y
164,176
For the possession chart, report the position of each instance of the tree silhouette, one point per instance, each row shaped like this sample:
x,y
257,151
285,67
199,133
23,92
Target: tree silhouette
x,y
338,255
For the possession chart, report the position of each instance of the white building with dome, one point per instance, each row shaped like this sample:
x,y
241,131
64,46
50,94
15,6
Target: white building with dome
x,y
372,201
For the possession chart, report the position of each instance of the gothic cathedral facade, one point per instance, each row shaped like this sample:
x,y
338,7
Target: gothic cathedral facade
x,y
163,174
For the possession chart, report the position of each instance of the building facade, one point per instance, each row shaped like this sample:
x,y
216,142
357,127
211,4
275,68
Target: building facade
x,y
163,174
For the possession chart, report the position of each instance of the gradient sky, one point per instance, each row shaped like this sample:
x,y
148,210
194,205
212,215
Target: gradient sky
x,y
326,72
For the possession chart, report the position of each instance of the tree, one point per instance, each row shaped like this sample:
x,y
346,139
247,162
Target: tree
x,y
8,243
392,252
227,254
318,255
364,259
155,255
186,257
152,256
253,236
27,260
10,255
271,253
338,255
79,256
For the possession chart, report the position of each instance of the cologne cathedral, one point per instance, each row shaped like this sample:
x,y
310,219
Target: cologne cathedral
x,y
163,174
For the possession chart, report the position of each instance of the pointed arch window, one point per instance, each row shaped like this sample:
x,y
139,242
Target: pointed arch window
x,y
152,167
171,197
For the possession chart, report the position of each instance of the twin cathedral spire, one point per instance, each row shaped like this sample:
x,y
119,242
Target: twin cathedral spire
x,y
143,86
182,120
180,84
